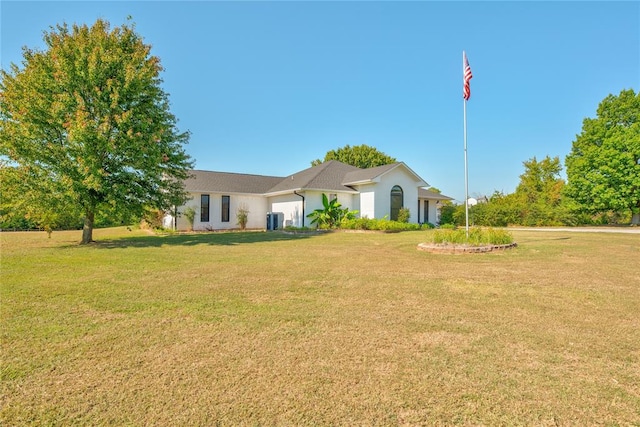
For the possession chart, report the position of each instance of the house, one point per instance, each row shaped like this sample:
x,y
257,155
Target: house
x,y
274,202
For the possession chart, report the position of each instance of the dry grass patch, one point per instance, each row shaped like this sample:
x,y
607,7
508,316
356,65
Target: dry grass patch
x,y
335,329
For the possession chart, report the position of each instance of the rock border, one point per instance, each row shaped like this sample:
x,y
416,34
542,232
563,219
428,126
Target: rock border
x,y
449,248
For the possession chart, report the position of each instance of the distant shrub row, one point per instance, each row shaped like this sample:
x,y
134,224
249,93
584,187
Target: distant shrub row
x,y
381,225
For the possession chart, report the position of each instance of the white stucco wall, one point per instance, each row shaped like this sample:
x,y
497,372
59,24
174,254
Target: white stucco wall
x,y
434,211
256,205
375,198
290,206
367,202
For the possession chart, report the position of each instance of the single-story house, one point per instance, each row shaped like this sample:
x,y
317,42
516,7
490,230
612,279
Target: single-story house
x,y
274,202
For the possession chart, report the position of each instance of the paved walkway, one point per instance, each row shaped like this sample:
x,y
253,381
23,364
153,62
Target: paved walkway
x,y
628,230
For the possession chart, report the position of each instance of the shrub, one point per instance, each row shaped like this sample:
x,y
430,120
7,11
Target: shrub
x,y
242,216
331,215
378,224
190,214
403,215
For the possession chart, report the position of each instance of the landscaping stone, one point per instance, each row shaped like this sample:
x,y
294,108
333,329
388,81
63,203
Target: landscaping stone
x,y
448,248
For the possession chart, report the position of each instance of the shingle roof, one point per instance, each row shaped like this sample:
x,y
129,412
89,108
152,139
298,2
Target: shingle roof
x,y
423,193
207,181
329,176
326,176
369,174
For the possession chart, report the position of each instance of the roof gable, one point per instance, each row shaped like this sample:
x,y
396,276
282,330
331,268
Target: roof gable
x,y
371,175
328,176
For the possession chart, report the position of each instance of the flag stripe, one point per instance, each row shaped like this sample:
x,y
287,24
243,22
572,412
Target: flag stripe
x,y
466,77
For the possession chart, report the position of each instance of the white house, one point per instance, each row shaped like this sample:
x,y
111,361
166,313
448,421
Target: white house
x,y
276,202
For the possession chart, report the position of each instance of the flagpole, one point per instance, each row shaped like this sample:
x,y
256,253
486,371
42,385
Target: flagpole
x,y
466,173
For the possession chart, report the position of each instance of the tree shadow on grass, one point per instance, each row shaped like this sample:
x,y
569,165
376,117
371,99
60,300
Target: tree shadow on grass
x,y
194,239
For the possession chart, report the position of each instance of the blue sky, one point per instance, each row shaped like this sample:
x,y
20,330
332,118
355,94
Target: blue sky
x,y
267,87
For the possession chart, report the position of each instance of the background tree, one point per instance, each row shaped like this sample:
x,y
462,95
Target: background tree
x,y
89,117
361,156
603,167
539,193
29,201
536,201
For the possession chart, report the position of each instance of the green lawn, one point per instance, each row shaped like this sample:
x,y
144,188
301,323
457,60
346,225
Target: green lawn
x,y
329,329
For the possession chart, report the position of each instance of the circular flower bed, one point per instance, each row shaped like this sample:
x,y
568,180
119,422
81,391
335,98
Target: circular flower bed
x,y
451,248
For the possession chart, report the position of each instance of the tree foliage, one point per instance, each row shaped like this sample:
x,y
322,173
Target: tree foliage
x,y
537,200
539,193
603,167
361,156
88,117
31,201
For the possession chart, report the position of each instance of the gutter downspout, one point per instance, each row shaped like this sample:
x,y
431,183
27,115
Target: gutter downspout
x,y
300,195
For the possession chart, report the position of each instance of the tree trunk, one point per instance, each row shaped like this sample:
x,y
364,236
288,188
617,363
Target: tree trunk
x,y
635,215
87,229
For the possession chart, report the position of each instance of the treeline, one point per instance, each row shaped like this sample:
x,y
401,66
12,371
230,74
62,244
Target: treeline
x,y
540,199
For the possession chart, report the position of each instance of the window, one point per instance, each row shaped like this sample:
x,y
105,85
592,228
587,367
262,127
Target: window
x,y
426,211
226,202
397,201
204,208
333,196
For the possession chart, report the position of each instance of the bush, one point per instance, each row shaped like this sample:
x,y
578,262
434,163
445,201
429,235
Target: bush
x,y
190,214
403,215
242,216
378,224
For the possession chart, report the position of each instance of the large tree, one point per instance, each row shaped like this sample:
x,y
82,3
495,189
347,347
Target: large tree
x,y
88,114
362,156
603,167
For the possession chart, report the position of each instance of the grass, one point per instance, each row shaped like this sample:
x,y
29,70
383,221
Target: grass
x,y
326,329
476,236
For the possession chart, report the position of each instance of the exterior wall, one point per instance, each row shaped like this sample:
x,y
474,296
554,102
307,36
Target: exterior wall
x,y
409,187
434,211
256,205
290,206
314,201
367,201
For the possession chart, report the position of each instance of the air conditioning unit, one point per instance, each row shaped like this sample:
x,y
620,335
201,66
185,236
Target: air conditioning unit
x,y
274,220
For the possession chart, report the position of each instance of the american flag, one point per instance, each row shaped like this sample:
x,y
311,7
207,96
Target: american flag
x,y
466,77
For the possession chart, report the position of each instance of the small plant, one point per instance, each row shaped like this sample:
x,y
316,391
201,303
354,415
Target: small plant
x,y
403,215
190,214
242,216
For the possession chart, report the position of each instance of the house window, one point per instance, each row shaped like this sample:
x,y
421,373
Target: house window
x,y
225,208
397,201
333,196
426,211
204,208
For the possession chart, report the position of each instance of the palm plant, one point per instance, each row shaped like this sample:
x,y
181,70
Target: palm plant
x,y
331,215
